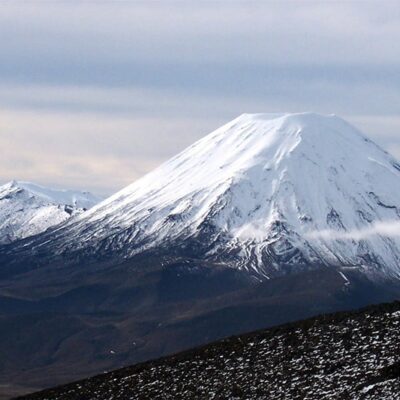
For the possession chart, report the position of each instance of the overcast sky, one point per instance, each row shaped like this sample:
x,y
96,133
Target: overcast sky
x,y
95,94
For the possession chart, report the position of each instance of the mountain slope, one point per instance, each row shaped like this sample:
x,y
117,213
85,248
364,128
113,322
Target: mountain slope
x,y
340,356
27,209
265,193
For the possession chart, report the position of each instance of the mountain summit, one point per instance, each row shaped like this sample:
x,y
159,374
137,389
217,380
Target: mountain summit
x,y
266,193
27,209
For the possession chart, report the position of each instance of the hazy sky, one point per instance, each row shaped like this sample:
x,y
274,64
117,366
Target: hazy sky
x,y
95,94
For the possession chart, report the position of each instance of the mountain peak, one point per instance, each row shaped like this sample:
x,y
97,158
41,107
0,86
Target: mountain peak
x,y
256,193
305,124
299,119
298,116
74,198
27,208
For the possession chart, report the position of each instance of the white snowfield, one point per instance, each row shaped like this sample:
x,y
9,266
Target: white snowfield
x,y
27,209
278,190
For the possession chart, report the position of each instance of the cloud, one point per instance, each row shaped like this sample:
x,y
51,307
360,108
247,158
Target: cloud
x,y
201,32
132,83
382,228
199,44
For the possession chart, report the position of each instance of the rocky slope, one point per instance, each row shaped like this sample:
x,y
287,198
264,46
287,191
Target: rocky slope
x,y
340,356
27,209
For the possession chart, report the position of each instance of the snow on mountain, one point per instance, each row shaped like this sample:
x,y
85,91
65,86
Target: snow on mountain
x,y
27,209
73,198
261,193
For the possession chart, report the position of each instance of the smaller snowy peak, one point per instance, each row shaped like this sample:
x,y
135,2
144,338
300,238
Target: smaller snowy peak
x,y
27,208
74,198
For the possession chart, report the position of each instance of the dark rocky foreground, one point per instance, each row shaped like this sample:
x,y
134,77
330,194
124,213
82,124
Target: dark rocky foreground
x,y
347,355
61,324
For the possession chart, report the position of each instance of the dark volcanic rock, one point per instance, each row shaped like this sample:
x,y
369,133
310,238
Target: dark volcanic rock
x,y
339,356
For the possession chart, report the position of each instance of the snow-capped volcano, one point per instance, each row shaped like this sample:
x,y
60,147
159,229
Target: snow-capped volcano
x,y
27,209
268,193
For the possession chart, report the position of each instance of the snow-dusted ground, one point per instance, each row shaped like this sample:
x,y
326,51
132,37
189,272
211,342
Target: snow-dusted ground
x,y
344,356
27,209
265,192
